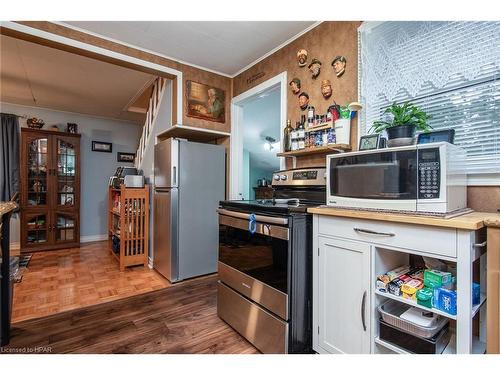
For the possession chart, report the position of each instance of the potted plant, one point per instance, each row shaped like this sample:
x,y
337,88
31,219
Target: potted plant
x,y
406,119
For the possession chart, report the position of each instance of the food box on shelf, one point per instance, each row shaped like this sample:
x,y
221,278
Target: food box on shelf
x,y
445,300
410,287
437,279
425,296
397,272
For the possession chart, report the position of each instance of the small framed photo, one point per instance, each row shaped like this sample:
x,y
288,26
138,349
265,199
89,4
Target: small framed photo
x,y
102,146
72,127
125,157
369,142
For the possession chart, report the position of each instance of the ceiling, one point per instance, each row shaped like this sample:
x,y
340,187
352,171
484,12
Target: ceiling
x,y
261,118
223,47
40,76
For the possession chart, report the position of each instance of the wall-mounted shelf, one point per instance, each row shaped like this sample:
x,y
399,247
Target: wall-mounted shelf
x,y
338,147
192,134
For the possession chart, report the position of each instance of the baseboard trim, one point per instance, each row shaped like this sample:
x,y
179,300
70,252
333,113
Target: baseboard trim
x,y
97,237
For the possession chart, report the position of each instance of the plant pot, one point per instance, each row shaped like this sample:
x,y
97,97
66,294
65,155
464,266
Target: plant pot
x,y
400,135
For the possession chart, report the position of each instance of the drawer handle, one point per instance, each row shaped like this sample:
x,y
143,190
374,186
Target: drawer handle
x,y
482,244
368,231
363,303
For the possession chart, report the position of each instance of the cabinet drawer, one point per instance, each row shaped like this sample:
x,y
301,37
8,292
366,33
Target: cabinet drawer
x,y
432,240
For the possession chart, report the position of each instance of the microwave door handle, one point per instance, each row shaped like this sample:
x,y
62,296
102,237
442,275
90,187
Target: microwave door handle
x,y
372,232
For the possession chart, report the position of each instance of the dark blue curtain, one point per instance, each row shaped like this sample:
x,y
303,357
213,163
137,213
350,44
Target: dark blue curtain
x,y
9,156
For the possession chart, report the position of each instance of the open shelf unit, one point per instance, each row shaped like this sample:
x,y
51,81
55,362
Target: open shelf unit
x,y
128,224
386,258
192,133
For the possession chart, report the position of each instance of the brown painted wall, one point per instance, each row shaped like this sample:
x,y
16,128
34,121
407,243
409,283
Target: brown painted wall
x,y
324,42
484,198
189,73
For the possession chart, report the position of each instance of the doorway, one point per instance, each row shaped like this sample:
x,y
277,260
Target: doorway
x,y
258,120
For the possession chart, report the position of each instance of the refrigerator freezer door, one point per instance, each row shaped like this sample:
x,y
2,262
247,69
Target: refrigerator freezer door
x,y
166,165
165,245
201,187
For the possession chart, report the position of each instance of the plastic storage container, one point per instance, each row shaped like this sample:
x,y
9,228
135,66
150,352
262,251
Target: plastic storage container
x,y
434,345
391,311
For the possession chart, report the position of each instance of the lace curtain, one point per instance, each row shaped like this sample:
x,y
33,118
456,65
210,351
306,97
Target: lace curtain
x,y
450,69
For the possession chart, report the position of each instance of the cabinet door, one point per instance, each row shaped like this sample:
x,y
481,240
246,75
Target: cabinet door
x,y
343,296
35,228
65,227
66,191
35,171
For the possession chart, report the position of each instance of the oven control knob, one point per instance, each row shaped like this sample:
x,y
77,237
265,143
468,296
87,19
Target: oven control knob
x,y
276,177
283,177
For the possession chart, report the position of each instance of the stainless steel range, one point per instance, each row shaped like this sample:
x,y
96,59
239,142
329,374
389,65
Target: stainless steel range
x,y
265,263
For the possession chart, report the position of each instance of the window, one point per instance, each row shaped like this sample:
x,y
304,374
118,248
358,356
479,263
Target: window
x,y
449,69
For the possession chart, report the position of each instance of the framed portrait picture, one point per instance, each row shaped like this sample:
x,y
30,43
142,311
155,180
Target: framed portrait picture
x,y
72,127
102,146
205,102
125,157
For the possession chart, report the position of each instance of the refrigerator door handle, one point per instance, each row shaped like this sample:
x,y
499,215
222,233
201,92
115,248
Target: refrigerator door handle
x,y
174,175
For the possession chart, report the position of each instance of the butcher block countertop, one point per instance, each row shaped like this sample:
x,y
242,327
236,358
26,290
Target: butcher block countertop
x,y
470,221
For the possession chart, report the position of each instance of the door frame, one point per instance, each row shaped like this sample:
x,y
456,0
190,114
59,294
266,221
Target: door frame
x,y
236,142
31,34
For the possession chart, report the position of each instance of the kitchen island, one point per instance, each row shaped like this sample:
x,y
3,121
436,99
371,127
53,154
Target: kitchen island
x,y
353,247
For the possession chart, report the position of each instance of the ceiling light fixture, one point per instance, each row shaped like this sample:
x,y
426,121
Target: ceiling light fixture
x,y
270,143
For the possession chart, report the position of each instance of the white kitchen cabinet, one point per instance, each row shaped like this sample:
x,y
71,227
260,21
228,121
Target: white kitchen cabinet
x,y
349,253
343,296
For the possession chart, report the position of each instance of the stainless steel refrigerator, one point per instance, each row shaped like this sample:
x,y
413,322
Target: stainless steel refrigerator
x,y
189,183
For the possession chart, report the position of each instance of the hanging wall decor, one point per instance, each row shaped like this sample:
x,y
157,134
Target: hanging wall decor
x,y
315,68
326,88
295,85
303,100
338,64
302,57
205,102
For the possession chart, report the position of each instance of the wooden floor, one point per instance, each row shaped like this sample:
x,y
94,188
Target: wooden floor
x,y
179,319
63,280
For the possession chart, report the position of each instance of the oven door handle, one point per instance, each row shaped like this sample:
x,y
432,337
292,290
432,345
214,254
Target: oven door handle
x,y
260,228
259,218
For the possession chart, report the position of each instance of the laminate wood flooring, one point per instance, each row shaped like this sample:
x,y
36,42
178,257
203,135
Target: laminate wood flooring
x,y
179,319
62,280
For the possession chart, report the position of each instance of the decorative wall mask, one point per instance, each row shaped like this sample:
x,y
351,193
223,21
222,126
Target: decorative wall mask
x,y
302,57
303,100
326,88
315,67
295,85
338,64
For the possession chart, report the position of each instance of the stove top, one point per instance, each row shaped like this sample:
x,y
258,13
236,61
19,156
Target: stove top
x,y
269,206
294,191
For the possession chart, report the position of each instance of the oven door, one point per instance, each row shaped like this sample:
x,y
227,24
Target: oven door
x,y
256,263
377,179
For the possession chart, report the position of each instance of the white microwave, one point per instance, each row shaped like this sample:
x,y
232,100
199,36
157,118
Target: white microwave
x,y
424,177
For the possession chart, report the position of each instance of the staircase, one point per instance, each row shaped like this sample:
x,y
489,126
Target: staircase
x,y
159,86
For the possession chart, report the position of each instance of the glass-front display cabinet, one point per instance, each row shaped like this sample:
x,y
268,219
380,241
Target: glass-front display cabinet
x,y
50,189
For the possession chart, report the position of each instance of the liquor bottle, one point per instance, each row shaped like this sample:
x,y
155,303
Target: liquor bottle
x,y
287,136
310,116
301,133
295,143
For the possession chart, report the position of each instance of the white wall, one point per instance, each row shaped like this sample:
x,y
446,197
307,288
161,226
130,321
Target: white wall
x,y
96,167
162,123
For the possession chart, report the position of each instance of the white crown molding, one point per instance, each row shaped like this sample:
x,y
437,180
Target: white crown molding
x,y
285,43
296,36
